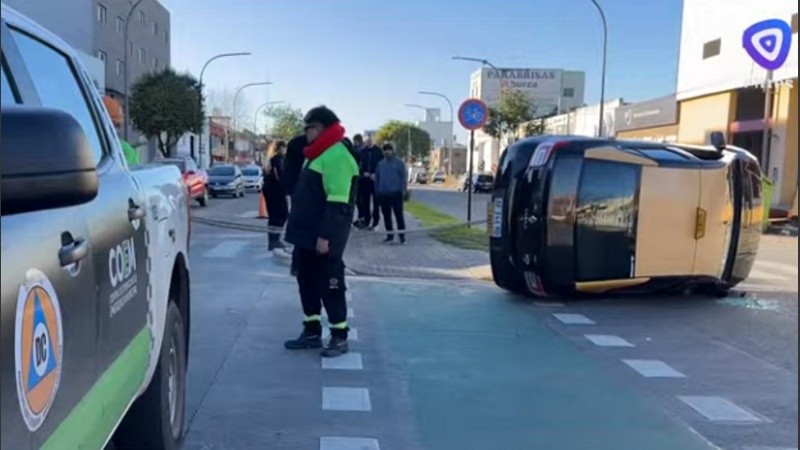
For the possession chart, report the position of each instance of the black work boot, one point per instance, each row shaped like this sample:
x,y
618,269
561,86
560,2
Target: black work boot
x,y
311,337
389,239
337,346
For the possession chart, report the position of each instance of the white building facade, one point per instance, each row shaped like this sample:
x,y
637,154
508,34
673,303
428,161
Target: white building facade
x,y
721,85
438,129
585,121
550,91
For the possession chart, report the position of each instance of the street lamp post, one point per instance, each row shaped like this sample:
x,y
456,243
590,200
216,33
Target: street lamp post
x,y
452,132
603,76
200,90
125,63
413,105
236,97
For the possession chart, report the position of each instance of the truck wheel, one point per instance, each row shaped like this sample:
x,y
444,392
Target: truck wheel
x,y
203,200
505,275
155,421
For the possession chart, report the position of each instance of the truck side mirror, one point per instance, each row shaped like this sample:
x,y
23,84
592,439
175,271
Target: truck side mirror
x,y
45,161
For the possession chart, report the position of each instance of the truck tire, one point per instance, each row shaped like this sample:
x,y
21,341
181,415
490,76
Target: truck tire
x,y
155,421
505,275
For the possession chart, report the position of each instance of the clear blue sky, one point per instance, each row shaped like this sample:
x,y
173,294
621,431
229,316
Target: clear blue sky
x,y
365,59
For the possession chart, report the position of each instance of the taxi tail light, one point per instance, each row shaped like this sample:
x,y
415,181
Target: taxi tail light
x,y
544,151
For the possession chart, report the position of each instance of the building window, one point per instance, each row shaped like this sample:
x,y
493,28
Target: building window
x,y
794,23
130,47
141,18
155,62
120,67
568,92
712,48
101,55
155,28
120,26
102,13
142,55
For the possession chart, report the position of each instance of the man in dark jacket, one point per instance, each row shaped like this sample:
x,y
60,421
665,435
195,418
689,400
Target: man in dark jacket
x,y
294,162
319,227
391,183
371,155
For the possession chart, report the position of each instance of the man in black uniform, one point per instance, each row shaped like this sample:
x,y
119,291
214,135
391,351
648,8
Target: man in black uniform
x,y
371,155
319,227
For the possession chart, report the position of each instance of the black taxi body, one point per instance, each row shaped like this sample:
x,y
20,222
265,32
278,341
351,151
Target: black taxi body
x,y
572,215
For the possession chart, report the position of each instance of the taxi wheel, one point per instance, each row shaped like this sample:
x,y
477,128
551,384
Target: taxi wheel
x,y
156,420
505,275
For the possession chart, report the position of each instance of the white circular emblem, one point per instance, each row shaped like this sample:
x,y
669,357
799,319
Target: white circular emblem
x,y
38,347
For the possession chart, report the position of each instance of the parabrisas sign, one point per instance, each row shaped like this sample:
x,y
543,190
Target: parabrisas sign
x,y
768,42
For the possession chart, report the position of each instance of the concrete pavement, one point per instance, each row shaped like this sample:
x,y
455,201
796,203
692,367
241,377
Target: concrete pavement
x,y
458,364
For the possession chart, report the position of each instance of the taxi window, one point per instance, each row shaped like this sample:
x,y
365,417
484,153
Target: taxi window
x,y
57,85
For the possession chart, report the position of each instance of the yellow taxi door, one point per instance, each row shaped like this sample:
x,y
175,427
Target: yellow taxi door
x,y
714,222
668,205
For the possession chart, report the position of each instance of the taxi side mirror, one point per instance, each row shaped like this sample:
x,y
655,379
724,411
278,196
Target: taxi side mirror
x,y
718,140
46,161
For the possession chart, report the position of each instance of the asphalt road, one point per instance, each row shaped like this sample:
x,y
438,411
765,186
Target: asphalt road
x,y
451,202
463,365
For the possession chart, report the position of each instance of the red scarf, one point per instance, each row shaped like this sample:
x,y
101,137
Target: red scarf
x,y
327,139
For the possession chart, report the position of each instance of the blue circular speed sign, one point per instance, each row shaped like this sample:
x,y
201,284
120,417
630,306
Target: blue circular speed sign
x,y
473,114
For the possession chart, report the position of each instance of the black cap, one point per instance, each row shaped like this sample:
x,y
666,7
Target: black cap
x,y
321,114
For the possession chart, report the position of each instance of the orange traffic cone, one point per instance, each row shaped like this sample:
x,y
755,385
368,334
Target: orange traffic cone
x,y
262,207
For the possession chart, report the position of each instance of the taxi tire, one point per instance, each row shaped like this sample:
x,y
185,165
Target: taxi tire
x,y
504,274
147,424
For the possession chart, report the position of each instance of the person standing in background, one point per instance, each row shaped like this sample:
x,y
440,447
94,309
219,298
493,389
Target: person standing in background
x,y
275,194
294,165
391,182
370,208
115,112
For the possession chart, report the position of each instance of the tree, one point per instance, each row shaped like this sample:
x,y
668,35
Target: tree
x,y
398,132
288,121
534,128
513,109
165,105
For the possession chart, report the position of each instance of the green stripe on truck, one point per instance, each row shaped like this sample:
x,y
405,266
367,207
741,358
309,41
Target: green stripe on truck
x,y
94,418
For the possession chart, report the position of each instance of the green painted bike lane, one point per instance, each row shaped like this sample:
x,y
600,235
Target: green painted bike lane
x,y
485,373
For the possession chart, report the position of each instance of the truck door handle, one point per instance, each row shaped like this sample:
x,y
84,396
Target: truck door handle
x,y
73,252
136,213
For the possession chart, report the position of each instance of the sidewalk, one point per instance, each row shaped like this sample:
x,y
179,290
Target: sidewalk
x,y
366,254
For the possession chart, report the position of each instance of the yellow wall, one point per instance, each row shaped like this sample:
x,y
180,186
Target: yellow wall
x,y
785,114
702,115
655,133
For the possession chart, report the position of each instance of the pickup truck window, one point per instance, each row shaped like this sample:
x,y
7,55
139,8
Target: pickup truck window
x,y
54,78
7,96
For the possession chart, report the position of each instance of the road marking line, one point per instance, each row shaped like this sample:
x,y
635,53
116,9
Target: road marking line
x,y
345,399
548,304
607,340
751,287
788,268
755,273
225,249
348,443
574,319
718,409
653,368
348,361
352,334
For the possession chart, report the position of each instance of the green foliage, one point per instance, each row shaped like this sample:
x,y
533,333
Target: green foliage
x,y
398,132
165,105
513,109
448,229
534,128
287,121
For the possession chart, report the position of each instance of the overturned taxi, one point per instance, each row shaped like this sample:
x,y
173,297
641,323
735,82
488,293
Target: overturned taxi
x,y
574,215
